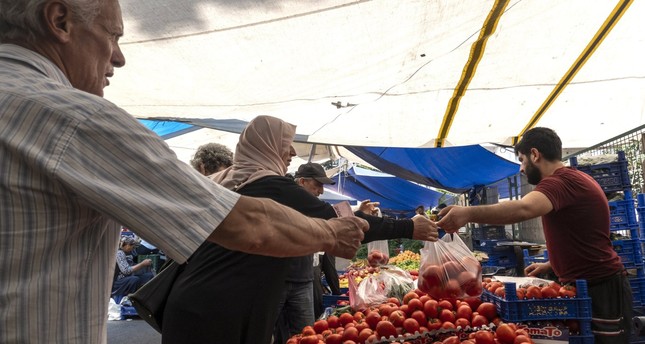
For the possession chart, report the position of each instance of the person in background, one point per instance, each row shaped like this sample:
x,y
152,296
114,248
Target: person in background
x,y
211,158
68,180
420,210
575,220
297,304
129,276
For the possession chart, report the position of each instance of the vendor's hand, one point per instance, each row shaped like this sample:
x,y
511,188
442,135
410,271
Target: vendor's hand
x,y
537,269
424,229
349,234
147,262
369,208
452,218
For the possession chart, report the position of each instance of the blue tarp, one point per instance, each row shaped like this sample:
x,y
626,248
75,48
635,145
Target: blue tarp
x,y
456,169
398,197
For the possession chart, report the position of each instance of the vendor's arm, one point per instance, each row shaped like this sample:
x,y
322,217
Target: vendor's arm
x,y
532,205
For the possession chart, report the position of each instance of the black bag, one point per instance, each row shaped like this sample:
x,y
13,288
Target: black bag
x,y
150,299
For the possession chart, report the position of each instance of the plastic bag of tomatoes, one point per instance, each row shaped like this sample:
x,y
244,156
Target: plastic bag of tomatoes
x,y
449,270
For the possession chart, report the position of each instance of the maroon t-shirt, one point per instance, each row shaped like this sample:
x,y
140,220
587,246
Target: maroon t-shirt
x,y
577,229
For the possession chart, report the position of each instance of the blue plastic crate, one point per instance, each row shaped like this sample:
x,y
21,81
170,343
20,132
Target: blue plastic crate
x,y
501,261
489,232
630,251
612,176
491,247
128,311
638,291
588,339
515,310
622,214
332,300
528,259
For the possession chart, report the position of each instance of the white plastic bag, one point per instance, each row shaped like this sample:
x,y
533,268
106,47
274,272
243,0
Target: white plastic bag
x,y
449,270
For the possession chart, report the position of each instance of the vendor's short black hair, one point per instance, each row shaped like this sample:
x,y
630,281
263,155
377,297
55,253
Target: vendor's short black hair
x,y
545,140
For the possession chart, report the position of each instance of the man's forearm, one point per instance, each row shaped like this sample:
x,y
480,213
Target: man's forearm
x,y
497,214
261,226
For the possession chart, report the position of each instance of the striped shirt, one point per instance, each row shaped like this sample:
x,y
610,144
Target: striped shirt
x,y
73,167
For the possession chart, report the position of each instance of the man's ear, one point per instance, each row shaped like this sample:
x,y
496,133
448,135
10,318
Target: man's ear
x,y
58,19
535,155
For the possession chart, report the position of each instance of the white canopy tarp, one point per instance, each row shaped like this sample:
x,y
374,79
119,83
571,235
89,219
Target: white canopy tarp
x,y
403,73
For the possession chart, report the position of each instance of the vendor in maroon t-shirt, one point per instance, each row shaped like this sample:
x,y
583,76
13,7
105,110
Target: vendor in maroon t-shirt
x,y
575,218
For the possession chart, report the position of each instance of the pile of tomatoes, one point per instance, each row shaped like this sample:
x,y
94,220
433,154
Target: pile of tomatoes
x,y
398,321
549,290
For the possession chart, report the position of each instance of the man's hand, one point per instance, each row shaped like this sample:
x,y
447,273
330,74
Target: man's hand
x,y
349,234
369,208
424,229
537,269
452,218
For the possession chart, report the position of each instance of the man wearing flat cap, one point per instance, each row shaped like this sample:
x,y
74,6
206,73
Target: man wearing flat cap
x,y
312,177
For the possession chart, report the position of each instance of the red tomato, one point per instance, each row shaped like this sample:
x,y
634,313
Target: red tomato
x,y
415,304
488,310
411,325
394,300
396,318
464,311
479,320
522,339
567,291
501,292
548,292
484,337
385,329
424,298
445,304
313,339
474,302
308,331
358,316
419,316
334,339
505,334
364,334
432,275
372,319
433,324
452,268
409,296
320,326
406,309
333,321
463,322
430,308
451,340
447,315
521,293
533,292
350,333
555,285
447,325
345,319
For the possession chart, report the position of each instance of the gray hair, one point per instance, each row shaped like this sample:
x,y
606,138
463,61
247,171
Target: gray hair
x,y
22,20
212,157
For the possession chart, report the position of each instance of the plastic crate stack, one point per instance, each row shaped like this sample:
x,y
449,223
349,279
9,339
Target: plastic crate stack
x,y
625,230
512,309
486,239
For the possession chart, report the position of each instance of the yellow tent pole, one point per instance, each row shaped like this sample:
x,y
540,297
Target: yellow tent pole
x,y
597,39
468,72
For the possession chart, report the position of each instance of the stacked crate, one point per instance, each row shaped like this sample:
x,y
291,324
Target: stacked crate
x,y
512,309
624,226
487,239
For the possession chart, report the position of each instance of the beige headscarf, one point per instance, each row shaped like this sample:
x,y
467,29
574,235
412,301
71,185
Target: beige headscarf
x,y
259,152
